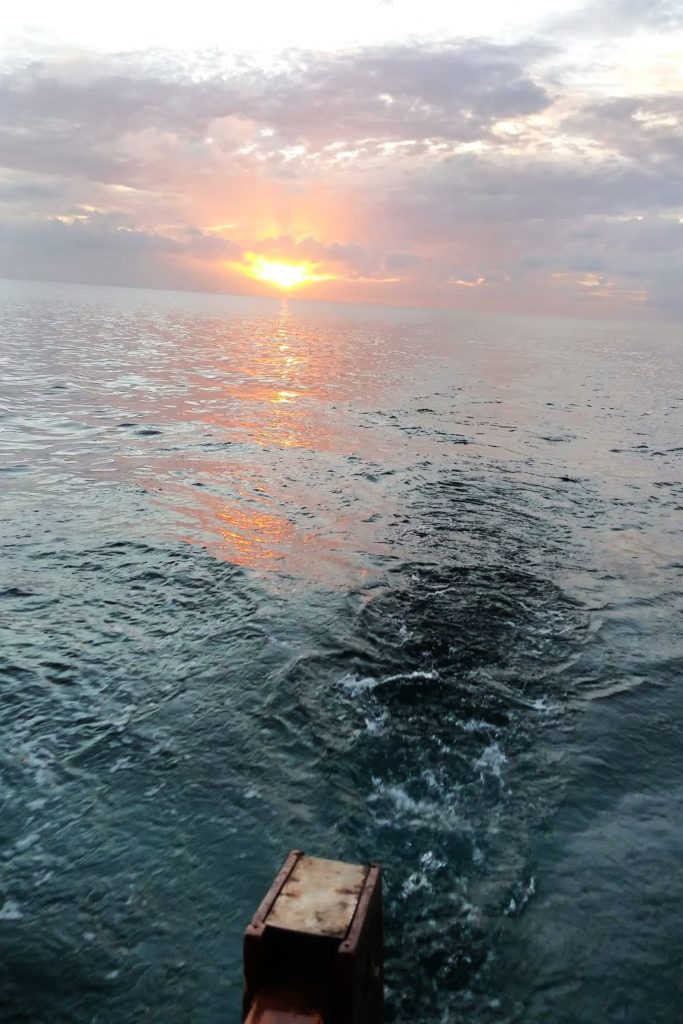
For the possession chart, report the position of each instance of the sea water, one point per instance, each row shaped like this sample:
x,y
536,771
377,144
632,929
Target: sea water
x,y
381,584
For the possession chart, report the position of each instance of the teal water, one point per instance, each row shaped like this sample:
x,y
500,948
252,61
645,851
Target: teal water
x,y
379,584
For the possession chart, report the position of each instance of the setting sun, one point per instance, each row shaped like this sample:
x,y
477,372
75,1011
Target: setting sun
x,y
285,275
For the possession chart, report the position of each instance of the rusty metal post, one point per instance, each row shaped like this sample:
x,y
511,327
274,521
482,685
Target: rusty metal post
x,y
313,951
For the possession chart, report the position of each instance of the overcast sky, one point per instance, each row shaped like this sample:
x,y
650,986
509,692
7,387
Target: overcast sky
x,y
407,151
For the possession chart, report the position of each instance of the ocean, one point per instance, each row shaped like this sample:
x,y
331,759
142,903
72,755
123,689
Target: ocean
x,y
380,584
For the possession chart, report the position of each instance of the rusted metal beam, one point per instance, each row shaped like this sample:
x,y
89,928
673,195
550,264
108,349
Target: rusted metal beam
x,y
313,950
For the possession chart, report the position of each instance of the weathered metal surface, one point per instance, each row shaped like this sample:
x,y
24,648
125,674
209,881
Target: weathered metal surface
x,y
359,969
313,949
318,898
282,1007
257,921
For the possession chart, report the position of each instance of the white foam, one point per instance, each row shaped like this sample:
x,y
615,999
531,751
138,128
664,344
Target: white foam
x,y
394,805
425,674
544,704
355,684
402,801
492,760
516,905
420,879
375,726
476,725
414,883
363,684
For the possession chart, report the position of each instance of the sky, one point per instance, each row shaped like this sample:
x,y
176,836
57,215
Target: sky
x,y
523,158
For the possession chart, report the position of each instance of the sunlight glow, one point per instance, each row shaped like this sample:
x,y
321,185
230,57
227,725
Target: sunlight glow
x,y
284,275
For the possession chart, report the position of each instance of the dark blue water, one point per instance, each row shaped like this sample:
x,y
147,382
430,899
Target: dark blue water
x,y
389,585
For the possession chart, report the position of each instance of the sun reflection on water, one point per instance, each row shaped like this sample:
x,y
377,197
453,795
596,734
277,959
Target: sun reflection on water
x,y
268,405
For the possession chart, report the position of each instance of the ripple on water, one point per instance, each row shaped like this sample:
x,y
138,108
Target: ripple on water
x,y
279,578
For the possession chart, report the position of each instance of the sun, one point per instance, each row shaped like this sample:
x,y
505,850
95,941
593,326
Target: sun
x,y
284,275
281,273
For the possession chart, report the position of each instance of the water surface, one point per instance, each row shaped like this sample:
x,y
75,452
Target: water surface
x,y
379,584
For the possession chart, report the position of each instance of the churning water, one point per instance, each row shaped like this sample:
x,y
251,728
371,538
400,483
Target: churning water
x,y
390,585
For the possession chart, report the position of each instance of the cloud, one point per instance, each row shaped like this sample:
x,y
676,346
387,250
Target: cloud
x,y
451,92
27,191
102,248
648,130
112,120
430,172
625,16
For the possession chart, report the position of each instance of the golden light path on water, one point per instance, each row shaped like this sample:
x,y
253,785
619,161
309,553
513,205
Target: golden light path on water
x,y
268,401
